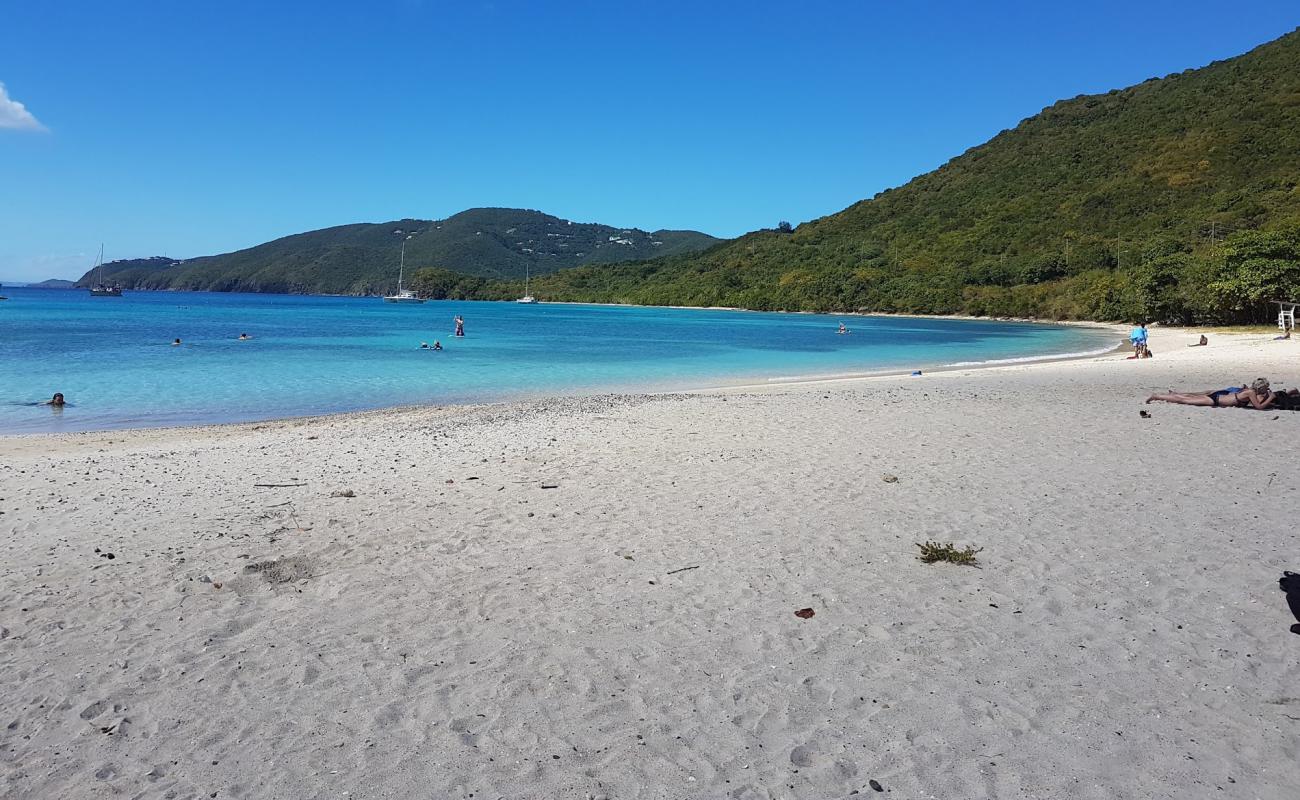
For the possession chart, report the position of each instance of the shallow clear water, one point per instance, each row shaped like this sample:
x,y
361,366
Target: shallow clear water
x,y
112,357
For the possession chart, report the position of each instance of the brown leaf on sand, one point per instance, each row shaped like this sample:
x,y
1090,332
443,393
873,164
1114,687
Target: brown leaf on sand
x,y
343,493
216,584
804,613
887,478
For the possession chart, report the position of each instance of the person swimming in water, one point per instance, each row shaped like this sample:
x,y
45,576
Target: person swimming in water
x,y
243,337
176,342
425,346
437,345
56,401
843,329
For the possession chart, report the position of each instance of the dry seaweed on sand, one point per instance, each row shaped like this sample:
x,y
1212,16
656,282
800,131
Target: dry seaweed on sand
x,y
934,551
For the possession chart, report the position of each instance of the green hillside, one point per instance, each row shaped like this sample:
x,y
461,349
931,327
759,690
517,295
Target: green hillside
x,y
1145,201
363,258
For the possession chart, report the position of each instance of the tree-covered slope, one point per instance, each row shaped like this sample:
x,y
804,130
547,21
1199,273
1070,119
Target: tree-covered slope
x,y
363,258
1101,206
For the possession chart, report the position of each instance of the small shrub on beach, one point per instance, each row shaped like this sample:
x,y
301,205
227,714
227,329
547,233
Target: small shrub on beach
x,y
933,551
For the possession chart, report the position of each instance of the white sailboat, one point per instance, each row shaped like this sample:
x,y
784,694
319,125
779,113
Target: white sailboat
x,y
527,298
101,289
403,295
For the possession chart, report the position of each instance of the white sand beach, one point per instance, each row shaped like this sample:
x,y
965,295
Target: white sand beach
x,y
457,629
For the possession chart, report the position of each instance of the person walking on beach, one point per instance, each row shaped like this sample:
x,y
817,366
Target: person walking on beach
x,y
1138,338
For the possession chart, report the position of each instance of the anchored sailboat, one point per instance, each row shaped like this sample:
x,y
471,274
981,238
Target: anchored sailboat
x,y
403,295
527,298
99,288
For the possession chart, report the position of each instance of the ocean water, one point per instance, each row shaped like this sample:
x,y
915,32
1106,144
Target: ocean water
x,y
112,357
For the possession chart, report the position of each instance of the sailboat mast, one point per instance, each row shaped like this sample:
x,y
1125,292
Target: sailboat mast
x,y
401,268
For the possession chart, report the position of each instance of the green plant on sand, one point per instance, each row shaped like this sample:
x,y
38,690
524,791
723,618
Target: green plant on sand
x,y
934,551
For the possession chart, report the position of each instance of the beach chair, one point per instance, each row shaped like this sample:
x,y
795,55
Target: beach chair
x,y
1286,314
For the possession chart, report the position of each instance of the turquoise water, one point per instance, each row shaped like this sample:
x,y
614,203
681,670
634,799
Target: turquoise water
x,y
112,357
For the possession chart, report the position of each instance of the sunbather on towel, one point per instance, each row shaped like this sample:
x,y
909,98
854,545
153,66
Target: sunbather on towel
x,y
1258,396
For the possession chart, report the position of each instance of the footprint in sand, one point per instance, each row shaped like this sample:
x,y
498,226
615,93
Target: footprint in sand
x,y
94,709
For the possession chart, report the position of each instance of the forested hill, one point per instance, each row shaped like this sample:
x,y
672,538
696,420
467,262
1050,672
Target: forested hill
x,y
497,243
1144,201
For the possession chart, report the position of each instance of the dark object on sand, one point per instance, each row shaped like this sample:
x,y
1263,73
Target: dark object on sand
x,y
875,784
1144,414
1290,583
804,613
933,551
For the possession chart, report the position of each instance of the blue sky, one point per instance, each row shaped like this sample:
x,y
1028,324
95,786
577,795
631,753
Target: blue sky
x,y
184,129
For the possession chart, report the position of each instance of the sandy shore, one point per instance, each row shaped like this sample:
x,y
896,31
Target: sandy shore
x,y
457,629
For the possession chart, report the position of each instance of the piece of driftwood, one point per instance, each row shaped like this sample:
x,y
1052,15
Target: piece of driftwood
x,y
276,485
683,569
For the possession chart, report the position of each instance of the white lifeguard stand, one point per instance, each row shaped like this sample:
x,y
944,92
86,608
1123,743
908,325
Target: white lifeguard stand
x,y
1286,314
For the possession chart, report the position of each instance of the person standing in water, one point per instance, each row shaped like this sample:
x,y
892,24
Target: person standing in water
x,y
460,325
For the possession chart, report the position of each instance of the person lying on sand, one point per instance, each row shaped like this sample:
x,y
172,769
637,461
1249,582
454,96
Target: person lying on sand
x,y
1202,343
1258,396
1286,334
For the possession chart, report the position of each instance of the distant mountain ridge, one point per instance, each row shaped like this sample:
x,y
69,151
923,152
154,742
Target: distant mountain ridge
x,y
362,259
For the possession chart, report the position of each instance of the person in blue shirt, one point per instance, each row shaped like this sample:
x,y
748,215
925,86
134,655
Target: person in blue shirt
x,y
1138,338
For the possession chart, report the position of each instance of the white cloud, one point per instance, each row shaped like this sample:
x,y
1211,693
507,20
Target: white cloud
x,y
15,115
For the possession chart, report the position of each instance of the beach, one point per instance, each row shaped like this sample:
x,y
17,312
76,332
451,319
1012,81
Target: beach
x,y
596,597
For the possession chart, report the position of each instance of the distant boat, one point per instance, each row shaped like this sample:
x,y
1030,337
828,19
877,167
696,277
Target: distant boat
x,y
99,288
403,295
2,297
527,298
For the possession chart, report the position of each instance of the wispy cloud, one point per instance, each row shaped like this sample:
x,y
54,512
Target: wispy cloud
x,y
15,116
